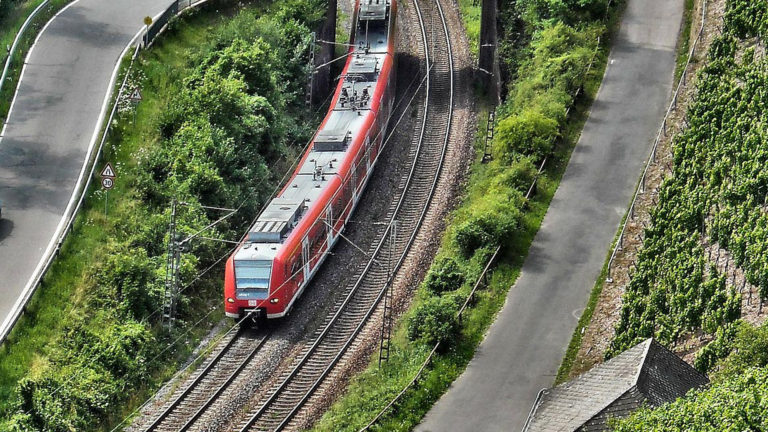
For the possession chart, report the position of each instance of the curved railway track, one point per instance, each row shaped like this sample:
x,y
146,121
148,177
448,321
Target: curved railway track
x,y
361,297
318,359
211,381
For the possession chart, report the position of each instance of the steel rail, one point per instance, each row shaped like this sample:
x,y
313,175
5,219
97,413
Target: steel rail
x,y
199,380
215,396
329,327
233,376
189,388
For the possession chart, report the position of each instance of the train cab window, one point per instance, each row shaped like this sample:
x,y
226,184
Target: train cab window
x,y
252,278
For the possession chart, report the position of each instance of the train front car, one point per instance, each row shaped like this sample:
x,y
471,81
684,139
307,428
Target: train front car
x,y
292,237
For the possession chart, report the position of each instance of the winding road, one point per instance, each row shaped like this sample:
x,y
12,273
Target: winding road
x,y
524,347
54,120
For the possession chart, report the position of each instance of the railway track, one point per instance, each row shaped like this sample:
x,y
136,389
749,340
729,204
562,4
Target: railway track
x,y
318,359
211,381
361,297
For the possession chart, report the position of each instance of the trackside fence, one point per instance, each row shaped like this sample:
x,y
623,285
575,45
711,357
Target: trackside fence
x,y
640,189
482,280
142,40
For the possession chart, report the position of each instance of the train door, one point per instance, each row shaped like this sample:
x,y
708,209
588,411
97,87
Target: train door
x,y
305,256
331,226
353,182
370,155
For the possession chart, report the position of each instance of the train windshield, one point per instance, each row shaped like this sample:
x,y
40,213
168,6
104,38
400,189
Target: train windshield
x,y
252,278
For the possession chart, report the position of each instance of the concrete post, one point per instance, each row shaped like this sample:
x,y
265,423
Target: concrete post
x,y
488,42
327,35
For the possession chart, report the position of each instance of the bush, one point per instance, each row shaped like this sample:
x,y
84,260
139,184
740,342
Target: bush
x,y
718,349
87,376
223,130
519,175
55,402
445,274
434,321
247,61
490,222
130,277
529,133
565,10
749,349
747,18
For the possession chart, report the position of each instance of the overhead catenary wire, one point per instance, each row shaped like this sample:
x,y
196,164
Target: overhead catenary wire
x,y
485,271
319,41
314,381
212,345
387,138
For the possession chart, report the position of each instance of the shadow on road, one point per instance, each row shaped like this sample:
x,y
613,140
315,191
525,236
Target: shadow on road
x,y
6,226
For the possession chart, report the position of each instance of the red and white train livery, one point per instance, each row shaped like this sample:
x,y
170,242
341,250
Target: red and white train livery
x,y
292,237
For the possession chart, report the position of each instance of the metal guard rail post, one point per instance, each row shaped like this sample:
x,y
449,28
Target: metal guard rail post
x,y
17,40
82,187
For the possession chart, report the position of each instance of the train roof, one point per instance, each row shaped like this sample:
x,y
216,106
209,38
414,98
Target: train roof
x,y
330,144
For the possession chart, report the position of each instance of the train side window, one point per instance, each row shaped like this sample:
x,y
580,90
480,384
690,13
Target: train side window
x,y
338,207
295,265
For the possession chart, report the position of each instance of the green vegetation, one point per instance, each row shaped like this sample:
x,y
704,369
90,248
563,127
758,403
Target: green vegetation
x,y
13,13
736,401
736,348
735,405
494,213
717,191
471,11
223,105
684,44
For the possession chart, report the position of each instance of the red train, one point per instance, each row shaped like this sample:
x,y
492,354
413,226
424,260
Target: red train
x,y
292,236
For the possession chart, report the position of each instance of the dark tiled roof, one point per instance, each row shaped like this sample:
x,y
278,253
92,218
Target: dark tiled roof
x,y
647,372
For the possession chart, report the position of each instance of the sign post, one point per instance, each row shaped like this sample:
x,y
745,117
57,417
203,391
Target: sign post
x,y
107,182
135,98
147,23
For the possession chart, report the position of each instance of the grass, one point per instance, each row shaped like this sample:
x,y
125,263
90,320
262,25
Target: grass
x,y
9,28
684,45
60,298
470,16
371,390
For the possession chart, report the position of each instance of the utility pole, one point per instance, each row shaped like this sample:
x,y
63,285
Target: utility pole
x,y
386,325
312,72
386,321
173,261
489,133
321,69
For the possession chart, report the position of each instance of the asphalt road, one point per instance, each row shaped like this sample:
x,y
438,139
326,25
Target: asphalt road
x,y
524,347
51,127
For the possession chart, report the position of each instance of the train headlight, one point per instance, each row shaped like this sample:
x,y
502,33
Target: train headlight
x,y
274,300
230,299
